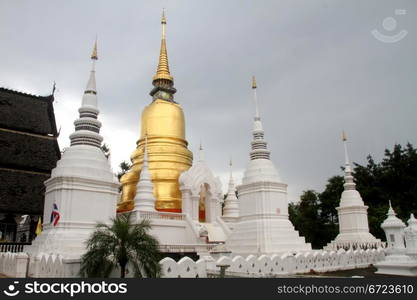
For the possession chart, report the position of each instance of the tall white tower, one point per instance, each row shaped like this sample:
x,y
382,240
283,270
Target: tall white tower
x,y
263,226
82,189
352,212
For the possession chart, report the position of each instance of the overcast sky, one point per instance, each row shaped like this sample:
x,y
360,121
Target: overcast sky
x,y
319,70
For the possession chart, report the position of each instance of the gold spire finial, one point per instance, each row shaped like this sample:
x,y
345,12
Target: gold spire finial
x,y
163,19
344,138
94,54
162,71
253,82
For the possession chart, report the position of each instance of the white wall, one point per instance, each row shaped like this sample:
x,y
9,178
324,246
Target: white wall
x,y
44,265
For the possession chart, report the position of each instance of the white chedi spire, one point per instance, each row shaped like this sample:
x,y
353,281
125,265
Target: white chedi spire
x,y
400,253
349,183
410,234
350,195
412,221
392,221
231,205
87,127
394,231
260,166
201,155
82,186
262,225
352,213
144,198
259,145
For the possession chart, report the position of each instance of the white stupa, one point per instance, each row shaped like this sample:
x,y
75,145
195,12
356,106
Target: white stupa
x,y
399,259
410,235
231,205
352,213
263,226
145,199
82,188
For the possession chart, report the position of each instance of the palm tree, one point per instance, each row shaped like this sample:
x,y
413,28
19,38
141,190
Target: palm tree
x,y
119,244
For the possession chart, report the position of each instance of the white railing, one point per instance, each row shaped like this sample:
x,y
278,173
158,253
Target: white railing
x,y
187,248
46,265
275,265
161,215
13,264
335,246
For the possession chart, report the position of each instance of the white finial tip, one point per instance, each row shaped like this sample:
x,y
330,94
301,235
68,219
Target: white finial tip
x,y
201,153
391,211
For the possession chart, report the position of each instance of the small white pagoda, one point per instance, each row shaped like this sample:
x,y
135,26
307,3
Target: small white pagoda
x,y
353,215
399,260
263,226
231,204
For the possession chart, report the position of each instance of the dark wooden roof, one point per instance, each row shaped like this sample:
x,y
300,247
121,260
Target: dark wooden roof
x,y
28,150
25,112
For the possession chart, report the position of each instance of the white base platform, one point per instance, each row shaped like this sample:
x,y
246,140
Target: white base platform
x,y
363,240
177,233
401,265
265,235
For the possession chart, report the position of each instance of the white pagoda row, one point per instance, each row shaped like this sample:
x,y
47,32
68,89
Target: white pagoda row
x,y
252,219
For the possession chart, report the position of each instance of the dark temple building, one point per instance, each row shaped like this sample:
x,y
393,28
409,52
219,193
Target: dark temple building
x,y
28,152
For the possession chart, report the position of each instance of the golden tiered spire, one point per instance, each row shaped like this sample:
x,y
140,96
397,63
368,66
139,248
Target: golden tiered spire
x,y
163,125
163,68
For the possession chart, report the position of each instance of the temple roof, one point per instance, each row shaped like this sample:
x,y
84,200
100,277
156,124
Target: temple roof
x,y
26,112
29,150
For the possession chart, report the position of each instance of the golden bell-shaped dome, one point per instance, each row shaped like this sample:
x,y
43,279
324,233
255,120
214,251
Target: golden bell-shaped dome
x,y
163,123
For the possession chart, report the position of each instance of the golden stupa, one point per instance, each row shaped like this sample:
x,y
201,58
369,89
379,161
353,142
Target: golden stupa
x,y
163,124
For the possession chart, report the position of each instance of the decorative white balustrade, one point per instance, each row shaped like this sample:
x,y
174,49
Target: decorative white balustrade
x,y
15,264
161,215
184,268
183,248
276,265
334,246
